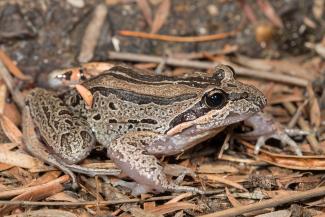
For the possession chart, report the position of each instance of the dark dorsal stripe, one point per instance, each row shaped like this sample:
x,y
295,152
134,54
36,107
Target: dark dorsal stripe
x,y
132,76
141,98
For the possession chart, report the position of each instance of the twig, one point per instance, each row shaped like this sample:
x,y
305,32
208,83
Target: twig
x,y
22,190
297,114
177,38
207,65
276,201
83,203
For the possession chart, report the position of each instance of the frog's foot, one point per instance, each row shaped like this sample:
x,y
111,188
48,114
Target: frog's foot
x,y
283,137
265,127
128,152
137,189
179,171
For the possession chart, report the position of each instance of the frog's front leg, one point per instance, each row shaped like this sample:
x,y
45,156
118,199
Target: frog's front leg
x,y
130,154
264,127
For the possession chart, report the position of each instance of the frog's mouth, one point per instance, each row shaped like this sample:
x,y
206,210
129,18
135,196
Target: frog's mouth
x,y
230,119
193,127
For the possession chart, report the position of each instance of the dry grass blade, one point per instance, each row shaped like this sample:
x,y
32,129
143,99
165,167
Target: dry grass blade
x,y
304,125
217,178
161,16
270,13
232,199
314,109
146,11
180,197
248,11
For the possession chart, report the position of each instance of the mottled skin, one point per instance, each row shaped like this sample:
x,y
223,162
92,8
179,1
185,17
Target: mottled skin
x,y
137,117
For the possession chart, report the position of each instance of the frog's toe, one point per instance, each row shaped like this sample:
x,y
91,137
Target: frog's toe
x,y
180,188
260,142
136,188
283,137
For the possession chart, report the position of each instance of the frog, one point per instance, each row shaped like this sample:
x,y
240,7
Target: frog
x,y
138,118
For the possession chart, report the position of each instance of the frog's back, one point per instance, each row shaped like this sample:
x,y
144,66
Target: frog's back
x,y
126,100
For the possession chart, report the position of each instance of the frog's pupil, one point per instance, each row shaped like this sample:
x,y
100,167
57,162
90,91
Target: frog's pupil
x,y
215,100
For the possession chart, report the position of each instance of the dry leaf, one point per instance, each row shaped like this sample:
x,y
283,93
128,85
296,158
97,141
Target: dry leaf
x,y
23,190
45,178
161,16
318,9
12,67
137,212
3,96
37,193
216,168
149,205
11,111
19,159
62,196
279,213
11,130
45,213
85,94
287,161
92,33
172,207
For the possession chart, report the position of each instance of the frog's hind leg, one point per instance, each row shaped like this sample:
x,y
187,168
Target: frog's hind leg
x,y
129,153
34,146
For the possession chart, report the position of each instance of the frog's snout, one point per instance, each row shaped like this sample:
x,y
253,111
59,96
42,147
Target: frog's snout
x,y
257,98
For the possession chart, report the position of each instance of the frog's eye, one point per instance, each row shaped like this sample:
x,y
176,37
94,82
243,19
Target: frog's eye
x,y
215,99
